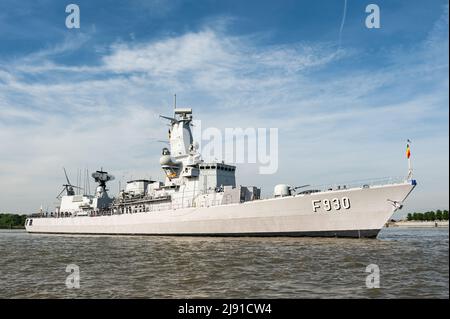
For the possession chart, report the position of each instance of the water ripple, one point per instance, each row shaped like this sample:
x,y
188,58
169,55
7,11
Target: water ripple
x,y
413,263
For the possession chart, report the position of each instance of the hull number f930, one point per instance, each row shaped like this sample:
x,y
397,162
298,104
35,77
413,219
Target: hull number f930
x,y
333,204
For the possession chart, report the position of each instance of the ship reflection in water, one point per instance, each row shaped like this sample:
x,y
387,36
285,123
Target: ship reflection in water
x,y
412,262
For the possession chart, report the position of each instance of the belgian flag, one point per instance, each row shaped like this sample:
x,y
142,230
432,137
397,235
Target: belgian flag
x,y
408,150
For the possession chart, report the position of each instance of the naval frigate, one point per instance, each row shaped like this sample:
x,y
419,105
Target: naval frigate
x,y
200,198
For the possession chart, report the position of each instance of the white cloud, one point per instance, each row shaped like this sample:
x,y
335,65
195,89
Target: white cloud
x,y
189,52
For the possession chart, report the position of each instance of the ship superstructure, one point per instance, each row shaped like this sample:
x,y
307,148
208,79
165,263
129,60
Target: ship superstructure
x,y
189,181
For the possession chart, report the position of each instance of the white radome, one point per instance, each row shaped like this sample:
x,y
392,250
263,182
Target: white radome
x,y
281,190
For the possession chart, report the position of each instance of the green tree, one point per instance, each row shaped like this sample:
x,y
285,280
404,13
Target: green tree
x,y
432,216
428,216
445,215
12,220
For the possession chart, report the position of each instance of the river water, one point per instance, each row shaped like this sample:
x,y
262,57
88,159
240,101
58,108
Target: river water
x,y
411,262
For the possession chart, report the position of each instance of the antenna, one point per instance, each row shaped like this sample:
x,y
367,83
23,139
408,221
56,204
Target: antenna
x,y
78,181
76,184
68,188
88,181
67,178
174,101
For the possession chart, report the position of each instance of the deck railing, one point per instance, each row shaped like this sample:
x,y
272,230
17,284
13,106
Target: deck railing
x,y
363,183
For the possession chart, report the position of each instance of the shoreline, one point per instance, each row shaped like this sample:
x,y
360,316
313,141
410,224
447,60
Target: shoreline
x,y
418,224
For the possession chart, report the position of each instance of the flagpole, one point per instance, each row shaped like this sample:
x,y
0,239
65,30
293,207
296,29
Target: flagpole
x,y
409,169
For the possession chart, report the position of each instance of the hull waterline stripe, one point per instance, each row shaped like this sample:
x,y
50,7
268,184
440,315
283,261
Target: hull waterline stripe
x,y
357,233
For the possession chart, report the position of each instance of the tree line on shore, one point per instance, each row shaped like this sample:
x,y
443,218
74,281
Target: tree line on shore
x,y
428,216
9,221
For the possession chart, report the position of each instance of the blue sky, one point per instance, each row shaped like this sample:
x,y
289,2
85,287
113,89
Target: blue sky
x,y
344,103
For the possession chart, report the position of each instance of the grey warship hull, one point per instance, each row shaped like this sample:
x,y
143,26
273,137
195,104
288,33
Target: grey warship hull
x,y
362,212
